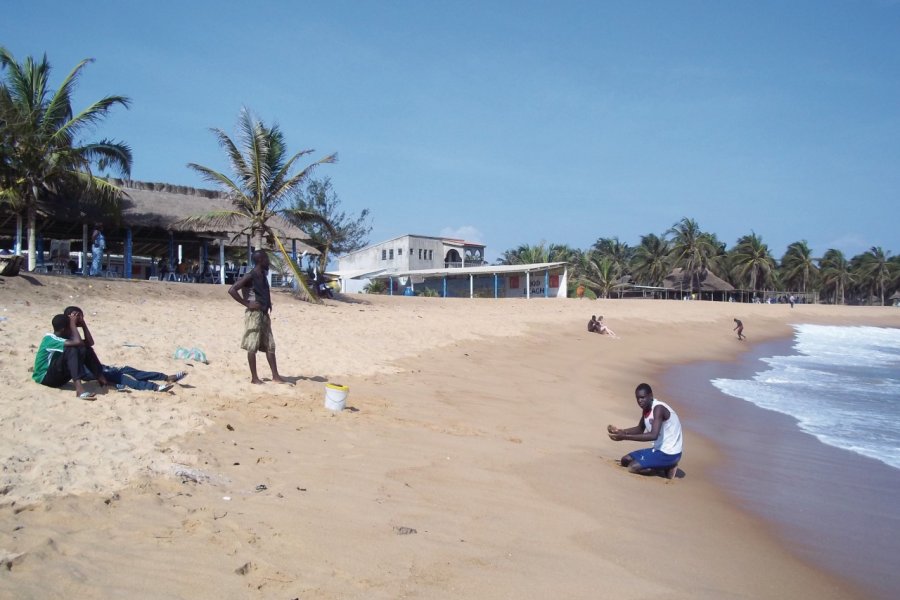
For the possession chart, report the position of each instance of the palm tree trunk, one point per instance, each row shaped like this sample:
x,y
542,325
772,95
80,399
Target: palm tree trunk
x,y
303,289
32,228
19,234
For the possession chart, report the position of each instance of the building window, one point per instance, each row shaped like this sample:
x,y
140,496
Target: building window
x,y
420,254
399,251
431,255
383,254
391,254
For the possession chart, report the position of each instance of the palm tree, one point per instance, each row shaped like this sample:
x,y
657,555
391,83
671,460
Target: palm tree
x,y
540,253
876,268
751,262
836,275
618,253
650,262
692,249
798,267
262,182
45,158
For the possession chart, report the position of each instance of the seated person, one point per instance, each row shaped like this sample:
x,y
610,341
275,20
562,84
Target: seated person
x,y
63,356
592,324
602,328
120,376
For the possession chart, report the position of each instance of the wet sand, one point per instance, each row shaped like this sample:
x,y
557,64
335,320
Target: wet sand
x,y
831,506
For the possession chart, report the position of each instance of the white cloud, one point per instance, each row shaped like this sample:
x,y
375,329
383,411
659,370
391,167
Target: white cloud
x,y
467,233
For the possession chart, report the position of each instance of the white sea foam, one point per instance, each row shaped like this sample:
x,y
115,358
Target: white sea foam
x,y
842,386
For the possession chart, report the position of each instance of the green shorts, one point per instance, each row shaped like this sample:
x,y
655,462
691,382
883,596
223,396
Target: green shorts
x,y
257,332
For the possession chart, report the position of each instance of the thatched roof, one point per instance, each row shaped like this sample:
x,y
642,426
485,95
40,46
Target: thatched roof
x,y
165,206
709,282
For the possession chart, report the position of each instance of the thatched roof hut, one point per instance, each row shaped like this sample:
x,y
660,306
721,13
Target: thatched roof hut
x,y
155,213
678,279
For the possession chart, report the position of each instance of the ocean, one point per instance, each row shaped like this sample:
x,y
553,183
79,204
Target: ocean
x,y
809,430
842,385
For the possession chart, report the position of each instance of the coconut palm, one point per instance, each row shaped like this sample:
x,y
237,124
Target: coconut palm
x,y
798,267
836,275
43,157
751,262
876,270
693,250
618,253
540,253
650,262
262,183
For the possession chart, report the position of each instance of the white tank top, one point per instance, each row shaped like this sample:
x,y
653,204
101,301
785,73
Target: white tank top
x,y
669,440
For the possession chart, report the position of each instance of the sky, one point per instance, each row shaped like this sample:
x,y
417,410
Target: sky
x,y
520,122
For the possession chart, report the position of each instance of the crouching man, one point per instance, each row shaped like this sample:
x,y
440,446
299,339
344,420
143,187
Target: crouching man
x,y
658,424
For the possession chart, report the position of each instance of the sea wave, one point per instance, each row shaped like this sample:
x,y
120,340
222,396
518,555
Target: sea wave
x,y
842,386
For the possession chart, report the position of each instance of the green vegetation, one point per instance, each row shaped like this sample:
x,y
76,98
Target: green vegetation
x,y
262,184
42,160
611,265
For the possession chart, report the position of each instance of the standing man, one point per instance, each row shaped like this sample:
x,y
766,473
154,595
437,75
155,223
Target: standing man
x,y
658,424
252,290
98,247
739,327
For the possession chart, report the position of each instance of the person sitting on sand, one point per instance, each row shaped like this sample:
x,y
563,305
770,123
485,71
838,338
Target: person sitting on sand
x,y
63,356
739,327
592,324
252,290
658,424
602,328
125,376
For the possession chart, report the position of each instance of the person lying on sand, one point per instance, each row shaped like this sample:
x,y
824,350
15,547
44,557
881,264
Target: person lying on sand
x,y
63,356
121,377
252,290
658,424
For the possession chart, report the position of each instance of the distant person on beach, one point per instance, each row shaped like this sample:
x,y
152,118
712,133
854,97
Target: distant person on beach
x,y
252,290
592,324
63,356
121,377
739,327
791,300
602,328
658,424
98,247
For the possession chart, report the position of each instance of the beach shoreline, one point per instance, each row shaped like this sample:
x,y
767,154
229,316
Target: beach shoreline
x,y
793,481
480,424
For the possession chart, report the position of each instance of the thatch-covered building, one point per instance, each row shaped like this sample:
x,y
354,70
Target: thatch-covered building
x,y
150,223
704,283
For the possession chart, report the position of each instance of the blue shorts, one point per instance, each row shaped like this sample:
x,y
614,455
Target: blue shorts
x,y
649,458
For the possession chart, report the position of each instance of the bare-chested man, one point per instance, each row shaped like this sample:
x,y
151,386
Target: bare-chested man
x,y
252,290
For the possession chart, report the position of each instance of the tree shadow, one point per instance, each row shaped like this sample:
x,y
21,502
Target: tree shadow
x,y
30,279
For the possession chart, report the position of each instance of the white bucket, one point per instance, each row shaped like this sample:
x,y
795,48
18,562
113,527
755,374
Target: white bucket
x,y
335,396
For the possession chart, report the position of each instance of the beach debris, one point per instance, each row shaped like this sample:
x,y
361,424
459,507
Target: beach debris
x,y
245,568
261,487
114,498
130,345
229,427
188,474
404,530
226,498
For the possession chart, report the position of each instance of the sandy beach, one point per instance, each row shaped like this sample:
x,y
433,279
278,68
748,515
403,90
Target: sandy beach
x,y
471,460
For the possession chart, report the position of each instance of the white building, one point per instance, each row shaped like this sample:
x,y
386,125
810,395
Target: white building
x,y
412,264
406,253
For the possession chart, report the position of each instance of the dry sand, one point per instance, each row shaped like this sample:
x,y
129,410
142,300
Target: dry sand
x,y
477,423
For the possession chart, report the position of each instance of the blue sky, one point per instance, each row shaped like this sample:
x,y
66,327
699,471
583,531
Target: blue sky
x,y
520,122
